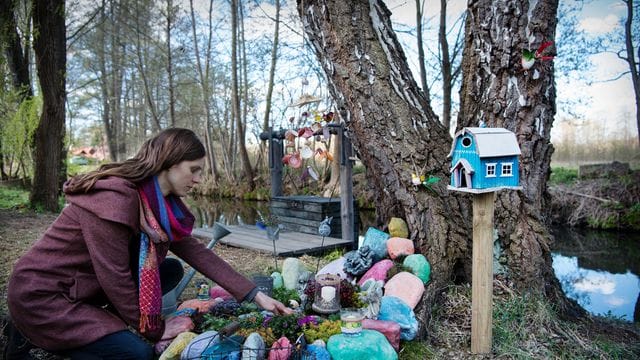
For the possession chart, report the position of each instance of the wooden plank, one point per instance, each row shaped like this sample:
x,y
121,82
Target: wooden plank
x,y
289,244
482,273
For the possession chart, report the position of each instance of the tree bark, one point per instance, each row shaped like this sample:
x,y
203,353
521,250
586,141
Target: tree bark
x,y
631,60
497,91
50,50
420,44
10,39
393,130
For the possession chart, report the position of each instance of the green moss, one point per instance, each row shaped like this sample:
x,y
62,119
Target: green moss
x,y
13,198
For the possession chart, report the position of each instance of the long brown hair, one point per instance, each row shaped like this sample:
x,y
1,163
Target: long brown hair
x,y
167,148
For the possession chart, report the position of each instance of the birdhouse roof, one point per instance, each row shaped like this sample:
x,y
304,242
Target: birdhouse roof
x,y
490,142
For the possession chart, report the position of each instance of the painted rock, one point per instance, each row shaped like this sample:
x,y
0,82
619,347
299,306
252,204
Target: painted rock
x,y
280,350
368,345
377,272
376,240
220,292
317,353
406,286
177,345
336,267
399,246
227,349
174,326
278,281
253,347
419,266
398,228
319,343
199,344
390,330
395,309
291,270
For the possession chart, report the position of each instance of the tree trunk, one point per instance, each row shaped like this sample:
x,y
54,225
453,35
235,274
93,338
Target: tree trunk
x,y
393,130
172,97
631,59
50,50
10,41
235,96
445,65
497,91
420,44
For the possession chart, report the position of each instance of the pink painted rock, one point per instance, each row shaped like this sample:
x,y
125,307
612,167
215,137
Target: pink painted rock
x,y
390,329
174,326
406,286
280,350
399,246
377,272
220,292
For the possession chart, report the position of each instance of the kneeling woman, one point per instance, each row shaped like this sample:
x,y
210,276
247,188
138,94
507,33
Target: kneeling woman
x,y
96,271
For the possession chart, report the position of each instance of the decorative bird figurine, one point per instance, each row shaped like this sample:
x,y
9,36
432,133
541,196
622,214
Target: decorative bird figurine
x,y
529,57
325,226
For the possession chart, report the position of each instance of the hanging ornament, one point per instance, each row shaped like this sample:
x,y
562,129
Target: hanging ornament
x,y
306,153
529,57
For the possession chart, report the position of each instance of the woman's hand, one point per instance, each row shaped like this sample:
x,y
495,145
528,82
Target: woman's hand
x,y
270,304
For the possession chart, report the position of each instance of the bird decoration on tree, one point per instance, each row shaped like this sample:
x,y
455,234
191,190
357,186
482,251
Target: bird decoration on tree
x,y
529,57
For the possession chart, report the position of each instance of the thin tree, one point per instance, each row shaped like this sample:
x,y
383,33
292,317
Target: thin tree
x,y
235,99
631,58
50,50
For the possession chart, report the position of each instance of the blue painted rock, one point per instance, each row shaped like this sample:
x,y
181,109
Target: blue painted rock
x,y
406,286
399,247
390,330
199,344
398,228
357,262
395,309
317,353
419,266
376,240
368,345
227,349
377,272
291,270
319,343
336,267
278,281
280,350
253,347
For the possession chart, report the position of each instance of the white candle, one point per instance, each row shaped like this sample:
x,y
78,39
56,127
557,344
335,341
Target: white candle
x,y
328,293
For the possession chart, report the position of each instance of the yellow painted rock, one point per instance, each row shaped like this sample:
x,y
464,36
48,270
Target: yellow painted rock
x,y
398,228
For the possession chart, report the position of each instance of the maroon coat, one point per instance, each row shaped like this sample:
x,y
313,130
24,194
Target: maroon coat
x,y
88,258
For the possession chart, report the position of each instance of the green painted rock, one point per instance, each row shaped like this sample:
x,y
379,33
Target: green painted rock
x,y
368,345
419,266
278,282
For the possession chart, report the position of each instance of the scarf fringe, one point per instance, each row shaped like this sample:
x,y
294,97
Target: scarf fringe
x,y
149,322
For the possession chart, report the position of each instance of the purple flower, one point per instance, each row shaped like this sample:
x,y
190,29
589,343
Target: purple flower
x,y
309,319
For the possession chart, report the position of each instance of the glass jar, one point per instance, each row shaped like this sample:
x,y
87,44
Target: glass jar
x,y
327,294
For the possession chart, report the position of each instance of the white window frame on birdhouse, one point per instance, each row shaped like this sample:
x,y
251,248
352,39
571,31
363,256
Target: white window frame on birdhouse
x,y
507,169
491,170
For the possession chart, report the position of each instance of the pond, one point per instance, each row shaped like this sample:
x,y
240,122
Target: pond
x,y
600,270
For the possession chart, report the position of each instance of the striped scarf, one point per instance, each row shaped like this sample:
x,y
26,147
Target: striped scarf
x,y
162,219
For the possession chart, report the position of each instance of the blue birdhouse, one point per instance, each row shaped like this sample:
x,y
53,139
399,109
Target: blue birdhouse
x,y
484,160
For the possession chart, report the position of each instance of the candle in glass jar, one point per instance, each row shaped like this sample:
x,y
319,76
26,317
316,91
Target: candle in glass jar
x,y
328,293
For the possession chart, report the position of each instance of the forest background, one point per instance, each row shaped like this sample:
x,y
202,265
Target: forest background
x,y
134,67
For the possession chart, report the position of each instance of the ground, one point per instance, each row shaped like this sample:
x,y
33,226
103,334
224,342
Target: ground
x,y
522,329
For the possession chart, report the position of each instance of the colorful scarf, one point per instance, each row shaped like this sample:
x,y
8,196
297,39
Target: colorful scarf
x,y
162,219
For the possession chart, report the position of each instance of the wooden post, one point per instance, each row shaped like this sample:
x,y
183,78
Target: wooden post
x,y
275,162
482,276
347,215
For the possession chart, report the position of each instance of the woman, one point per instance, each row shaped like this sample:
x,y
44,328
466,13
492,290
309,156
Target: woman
x,y
96,271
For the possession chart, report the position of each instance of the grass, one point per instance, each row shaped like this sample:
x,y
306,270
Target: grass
x,y
562,175
13,198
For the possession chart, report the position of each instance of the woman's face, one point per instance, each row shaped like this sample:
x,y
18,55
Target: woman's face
x,y
180,178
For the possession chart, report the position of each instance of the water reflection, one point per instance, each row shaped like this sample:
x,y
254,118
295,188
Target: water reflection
x,y
599,270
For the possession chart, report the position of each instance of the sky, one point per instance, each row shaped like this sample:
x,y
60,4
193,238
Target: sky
x,y
610,100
